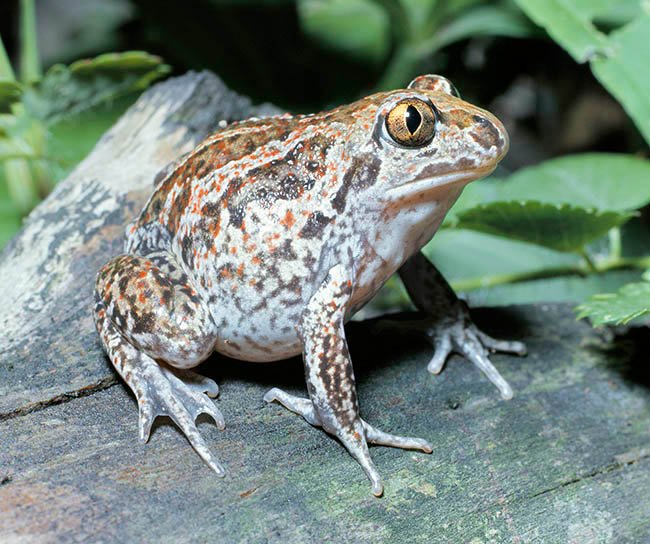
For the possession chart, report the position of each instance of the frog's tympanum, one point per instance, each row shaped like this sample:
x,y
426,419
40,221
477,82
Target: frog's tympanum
x,y
262,242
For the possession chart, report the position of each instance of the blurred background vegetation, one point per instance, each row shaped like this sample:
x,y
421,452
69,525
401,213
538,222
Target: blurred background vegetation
x,y
563,218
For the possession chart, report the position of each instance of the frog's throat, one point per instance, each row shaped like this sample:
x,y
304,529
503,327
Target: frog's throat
x,y
420,186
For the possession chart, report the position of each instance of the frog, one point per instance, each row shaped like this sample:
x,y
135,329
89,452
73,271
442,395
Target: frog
x,y
263,242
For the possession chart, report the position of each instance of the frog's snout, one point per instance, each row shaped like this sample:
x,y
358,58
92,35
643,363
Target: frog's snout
x,y
490,133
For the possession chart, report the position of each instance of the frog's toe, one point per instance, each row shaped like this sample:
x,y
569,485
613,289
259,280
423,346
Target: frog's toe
x,y
297,405
506,346
442,350
375,436
199,383
472,349
165,392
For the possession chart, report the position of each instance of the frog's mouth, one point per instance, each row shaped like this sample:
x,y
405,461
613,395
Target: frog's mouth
x,y
436,182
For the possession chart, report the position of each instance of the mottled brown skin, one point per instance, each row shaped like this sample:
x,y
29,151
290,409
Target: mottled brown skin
x,y
266,238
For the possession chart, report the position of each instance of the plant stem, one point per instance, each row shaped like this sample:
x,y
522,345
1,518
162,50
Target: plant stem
x,y
30,67
20,184
590,264
625,262
470,284
615,243
8,156
6,72
501,279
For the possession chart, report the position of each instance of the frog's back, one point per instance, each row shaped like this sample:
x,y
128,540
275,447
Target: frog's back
x,y
174,191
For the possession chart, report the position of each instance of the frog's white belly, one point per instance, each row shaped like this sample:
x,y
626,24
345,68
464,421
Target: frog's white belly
x,y
258,327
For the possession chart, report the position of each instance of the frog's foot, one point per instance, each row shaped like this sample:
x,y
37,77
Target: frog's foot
x,y
355,444
450,327
181,395
457,333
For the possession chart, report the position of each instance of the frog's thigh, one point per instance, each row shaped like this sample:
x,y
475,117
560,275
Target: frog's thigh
x,y
144,310
153,304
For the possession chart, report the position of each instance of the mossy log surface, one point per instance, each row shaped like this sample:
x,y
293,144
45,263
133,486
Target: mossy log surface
x,y
566,460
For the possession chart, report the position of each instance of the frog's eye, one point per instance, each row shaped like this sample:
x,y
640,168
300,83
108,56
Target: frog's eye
x,y
411,122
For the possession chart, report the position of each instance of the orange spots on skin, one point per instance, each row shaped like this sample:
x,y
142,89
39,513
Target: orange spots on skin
x,y
255,260
288,221
240,270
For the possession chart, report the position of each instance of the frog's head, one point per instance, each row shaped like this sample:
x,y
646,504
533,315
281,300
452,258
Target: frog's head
x,y
432,142
409,155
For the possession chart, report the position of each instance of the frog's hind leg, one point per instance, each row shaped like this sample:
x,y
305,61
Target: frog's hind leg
x,y
145,312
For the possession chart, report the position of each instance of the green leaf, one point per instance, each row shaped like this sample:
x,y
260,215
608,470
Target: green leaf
x,y
569,24
555,226
6,71
30,65
10,92
606,181
626,74
617,12
466,255
116,63
480,21
9,220
72,139
483,266
358,28
630,302
66,91
620,60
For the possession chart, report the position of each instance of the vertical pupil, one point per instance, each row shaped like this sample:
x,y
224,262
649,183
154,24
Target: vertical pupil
x,y
413,119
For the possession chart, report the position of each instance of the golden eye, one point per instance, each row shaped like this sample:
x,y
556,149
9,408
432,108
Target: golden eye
x,y
411,122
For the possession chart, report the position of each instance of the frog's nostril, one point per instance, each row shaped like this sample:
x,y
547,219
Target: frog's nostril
x,y
491,134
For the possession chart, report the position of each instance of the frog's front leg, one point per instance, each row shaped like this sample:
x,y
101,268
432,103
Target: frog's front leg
x,y
450,326
146,311
332,401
